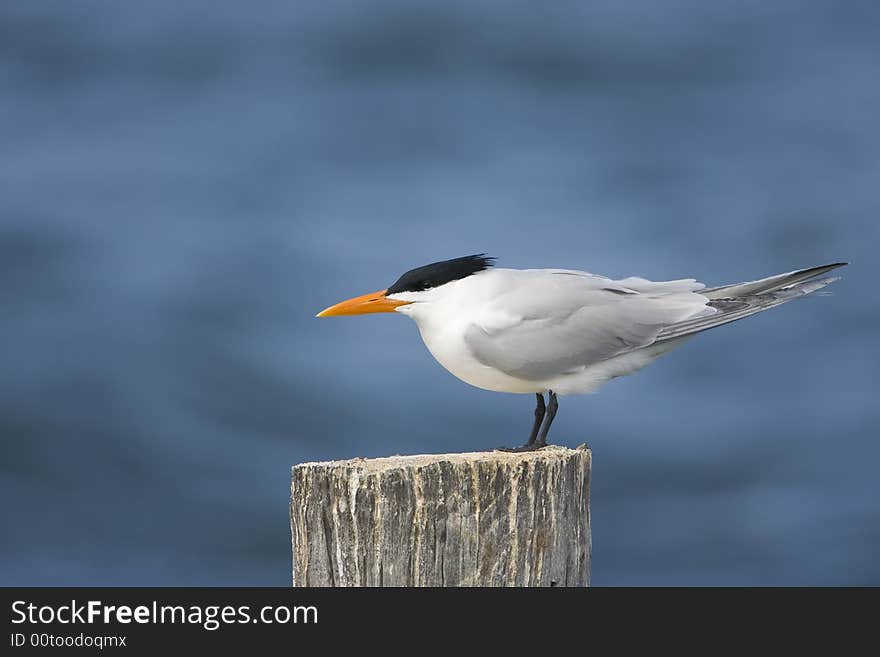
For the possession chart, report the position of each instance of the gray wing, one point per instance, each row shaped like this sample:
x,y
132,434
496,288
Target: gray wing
x,y
552,322
733,302
769,284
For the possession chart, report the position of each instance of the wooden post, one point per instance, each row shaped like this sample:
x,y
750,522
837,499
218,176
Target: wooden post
x,y
474,519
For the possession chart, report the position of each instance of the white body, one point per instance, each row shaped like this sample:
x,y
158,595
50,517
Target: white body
x,y
534,330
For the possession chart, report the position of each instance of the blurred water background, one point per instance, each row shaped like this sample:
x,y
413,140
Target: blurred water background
x,y
184,184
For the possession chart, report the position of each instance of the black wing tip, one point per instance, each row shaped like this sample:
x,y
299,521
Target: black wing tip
x,y
821,269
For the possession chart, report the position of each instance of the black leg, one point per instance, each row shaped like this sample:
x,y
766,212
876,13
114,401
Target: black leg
x,y
535,441
551,413
540,409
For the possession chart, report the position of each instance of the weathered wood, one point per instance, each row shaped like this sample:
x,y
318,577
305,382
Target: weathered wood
x,y
474,519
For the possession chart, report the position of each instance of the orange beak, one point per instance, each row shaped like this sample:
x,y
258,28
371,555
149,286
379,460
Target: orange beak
x,y
375,302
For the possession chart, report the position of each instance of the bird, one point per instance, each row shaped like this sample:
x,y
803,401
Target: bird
x,y
561,331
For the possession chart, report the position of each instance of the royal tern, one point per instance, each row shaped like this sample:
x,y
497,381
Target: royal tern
x,y
561,331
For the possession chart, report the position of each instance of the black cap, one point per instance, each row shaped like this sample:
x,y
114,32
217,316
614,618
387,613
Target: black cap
x,y
440,273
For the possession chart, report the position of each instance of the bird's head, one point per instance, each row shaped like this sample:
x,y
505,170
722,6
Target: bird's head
x,y
413,287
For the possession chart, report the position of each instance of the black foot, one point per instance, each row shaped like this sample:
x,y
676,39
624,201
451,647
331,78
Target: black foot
x,y
528,447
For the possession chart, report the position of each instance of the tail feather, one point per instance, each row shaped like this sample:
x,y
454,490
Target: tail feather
x,y
768,284
734,302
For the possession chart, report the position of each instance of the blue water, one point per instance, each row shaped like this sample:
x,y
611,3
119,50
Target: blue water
x,y
183,185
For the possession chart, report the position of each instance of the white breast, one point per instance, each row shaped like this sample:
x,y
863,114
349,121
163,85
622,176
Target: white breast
x,y
444,314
